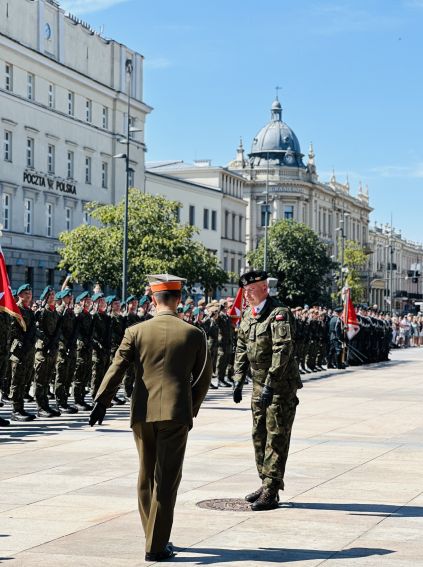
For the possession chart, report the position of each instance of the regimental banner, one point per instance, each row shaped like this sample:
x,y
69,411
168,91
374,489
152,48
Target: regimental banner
x,y
46,182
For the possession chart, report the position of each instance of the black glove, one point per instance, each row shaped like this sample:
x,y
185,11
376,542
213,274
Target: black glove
x,y
266,397
237,393
97,415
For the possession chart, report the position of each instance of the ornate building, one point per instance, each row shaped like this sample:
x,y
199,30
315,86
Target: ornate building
x,y
279,186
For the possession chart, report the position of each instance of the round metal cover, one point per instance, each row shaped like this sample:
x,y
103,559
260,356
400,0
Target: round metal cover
x,y
226,504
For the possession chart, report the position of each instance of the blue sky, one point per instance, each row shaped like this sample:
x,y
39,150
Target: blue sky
x,y
350,72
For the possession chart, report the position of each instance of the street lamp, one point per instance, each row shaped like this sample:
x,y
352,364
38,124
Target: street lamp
x,y
342,233
129,68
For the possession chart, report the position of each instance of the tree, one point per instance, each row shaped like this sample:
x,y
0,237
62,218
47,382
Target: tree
x,y
157,243
298,259
355,259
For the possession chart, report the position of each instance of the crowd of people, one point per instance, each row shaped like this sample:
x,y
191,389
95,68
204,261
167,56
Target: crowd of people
x,y
70,342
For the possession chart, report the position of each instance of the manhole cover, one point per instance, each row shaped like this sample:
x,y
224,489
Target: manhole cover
x,y
226,504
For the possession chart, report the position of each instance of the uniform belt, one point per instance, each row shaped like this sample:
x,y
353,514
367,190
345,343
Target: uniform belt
x,y
259,366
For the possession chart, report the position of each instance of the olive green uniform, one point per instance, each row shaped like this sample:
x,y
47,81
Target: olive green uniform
x,y
224,344
266,345
131,319
82,376
172,376
66,356
101,349
45,353
22,353
5,329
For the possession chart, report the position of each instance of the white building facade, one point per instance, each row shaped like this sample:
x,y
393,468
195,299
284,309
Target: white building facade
x,y
63,109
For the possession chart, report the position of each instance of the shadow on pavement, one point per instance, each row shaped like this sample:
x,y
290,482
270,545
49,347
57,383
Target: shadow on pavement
x,y
271,554
382,510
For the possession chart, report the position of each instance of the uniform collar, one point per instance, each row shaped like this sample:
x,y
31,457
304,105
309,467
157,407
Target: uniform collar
x,y
259,309
166,312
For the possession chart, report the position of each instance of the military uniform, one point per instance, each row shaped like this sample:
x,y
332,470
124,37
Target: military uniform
x,y
131,318
266,346
82,375
336,339
172,375
101,349
224,346
5,327
66,356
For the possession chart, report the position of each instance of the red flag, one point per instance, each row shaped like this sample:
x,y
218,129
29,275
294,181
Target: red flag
x,y
349,316
7,301
235,312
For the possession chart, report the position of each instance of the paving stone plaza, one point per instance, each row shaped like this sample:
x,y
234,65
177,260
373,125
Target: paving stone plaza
x,y
353,497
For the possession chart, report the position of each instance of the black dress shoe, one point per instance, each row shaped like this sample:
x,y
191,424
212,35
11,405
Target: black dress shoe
x,y
28,398
48,412
83,406
223,383
22,416
268,500
167,553
119,401
213,386
252,497
4,422
66,408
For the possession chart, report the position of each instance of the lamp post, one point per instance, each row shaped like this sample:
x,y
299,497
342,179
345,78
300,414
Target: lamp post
x,y
342,234
266,216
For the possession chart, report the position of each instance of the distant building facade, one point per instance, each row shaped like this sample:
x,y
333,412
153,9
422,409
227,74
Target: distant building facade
x,y
63,110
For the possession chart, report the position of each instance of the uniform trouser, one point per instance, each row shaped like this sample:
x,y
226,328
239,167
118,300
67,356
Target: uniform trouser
x,y
223,353
271,438
312,354
44,368
230,368
82,375
213,354
100,364
335,352
322,353
65,368
21,374
4,361
128,381
161,449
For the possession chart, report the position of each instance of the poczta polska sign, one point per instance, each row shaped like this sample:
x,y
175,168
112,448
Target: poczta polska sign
x,y
42,180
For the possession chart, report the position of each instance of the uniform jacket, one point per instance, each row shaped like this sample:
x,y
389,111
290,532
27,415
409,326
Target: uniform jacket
x,y
172,370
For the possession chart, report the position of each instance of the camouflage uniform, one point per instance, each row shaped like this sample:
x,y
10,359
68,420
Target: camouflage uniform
x,y
224,345
66,356
45,353
266,344
22,353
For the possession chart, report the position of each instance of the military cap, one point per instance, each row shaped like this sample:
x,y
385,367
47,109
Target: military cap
x,y
165,282
82,296
130,298
187,308
59,295
111,298
46,291
338,309
144,299
24,287
97,296
252,277
65,292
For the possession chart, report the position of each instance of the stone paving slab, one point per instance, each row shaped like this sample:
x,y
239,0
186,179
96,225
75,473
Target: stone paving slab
x,y
354,490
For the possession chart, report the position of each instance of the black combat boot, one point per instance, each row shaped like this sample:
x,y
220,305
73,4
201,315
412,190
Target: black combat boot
x,y
252,497
268,500
4,422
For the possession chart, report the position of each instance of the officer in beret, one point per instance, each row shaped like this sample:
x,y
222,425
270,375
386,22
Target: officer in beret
x,y
84,337
131,318
66,355
173,371
100,341
117,330
336,340
266,346
46,347
22,352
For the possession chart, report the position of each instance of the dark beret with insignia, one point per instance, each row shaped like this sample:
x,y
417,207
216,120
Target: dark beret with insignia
x,y
130,298
338,309
23,287
82,296
111,298
97,296
144,299
46,291
59,295
252,277
65,292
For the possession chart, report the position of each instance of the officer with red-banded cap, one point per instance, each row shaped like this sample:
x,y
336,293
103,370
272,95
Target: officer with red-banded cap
x,y
265,345
172,375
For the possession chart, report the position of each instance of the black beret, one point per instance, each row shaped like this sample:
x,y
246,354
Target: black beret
x,y
252,277
338,309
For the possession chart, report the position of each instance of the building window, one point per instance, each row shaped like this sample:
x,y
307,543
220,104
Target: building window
x,y
68,218
30,80
265,217
71,100
86,218
232,264
105,117
214,220
29,276
104,174
70,164
49,220
178,214
50,277
131,178
192,215
288,212
7,153
239,265
51,158
226,224
51,97
240,228
6,211
8,77
28,216
88,170
205,218
233,226
30,152
225,263
88,110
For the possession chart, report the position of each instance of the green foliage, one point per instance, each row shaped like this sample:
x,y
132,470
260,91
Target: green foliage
x,y
298,259
355,260
157,243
